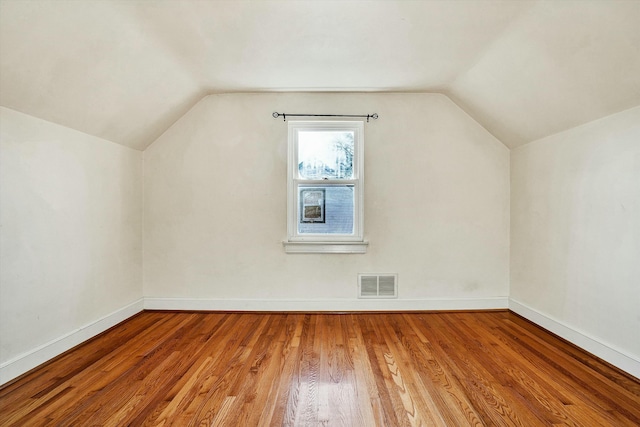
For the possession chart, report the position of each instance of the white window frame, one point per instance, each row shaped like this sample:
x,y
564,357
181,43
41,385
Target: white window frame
x,y
325,243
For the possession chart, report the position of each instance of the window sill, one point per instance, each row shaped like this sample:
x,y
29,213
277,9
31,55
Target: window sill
x,y
325,247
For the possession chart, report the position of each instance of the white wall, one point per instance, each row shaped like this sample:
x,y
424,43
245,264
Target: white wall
x,y
575,230
71,243
436,207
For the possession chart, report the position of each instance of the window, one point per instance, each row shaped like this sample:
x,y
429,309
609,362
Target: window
x,y
325,187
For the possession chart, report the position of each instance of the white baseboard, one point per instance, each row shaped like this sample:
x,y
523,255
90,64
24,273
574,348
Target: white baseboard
x,y
604,351
39,355
325,304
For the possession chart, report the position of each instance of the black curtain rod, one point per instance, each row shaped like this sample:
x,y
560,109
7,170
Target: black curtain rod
x,y
284,115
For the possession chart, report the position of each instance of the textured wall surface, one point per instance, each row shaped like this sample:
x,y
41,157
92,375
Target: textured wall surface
x,y
71,220
436,202
575,229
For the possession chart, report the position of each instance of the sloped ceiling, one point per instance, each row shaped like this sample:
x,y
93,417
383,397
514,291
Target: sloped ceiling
x,y
125,70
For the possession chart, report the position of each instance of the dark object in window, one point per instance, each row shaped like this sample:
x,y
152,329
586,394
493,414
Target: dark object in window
x,y
312,205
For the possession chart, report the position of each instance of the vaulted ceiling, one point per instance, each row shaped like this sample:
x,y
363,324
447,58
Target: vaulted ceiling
x,y
125,70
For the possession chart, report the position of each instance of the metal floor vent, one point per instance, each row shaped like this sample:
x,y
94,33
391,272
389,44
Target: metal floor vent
x,y
377,286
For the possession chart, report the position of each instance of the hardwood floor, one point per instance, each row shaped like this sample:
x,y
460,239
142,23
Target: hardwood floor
x,y
233,369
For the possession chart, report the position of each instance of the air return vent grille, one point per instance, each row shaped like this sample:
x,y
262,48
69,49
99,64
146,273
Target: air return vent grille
x,y
377,285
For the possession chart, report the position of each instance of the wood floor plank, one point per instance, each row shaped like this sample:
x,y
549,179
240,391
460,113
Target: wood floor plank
x,y
368,398
296,369
451,403
247,331
282,407
486,354
419,403
392,407
40,383
472,369
94,378
590,385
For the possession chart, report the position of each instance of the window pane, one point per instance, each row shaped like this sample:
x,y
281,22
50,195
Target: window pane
x,y
325,154
325,209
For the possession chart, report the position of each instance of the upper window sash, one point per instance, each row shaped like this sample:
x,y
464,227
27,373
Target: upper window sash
x,y
334,163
